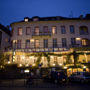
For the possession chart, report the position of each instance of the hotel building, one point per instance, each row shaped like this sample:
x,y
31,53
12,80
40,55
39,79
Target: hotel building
x,y
54,36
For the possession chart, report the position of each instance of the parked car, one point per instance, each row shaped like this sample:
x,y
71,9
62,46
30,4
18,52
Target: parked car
x,y
56,77
80,77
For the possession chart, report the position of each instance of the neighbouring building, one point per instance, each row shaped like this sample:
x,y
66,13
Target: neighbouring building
x,y
5,36
56,36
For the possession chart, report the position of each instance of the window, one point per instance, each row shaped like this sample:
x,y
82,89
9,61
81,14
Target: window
x,y
64,42
84,42
36,31
83,30
27,43
45,30
35,19
54,30
73,41
36,43
63,30
26,19
19,31
72,31
45,43
55,43
14,44
18,43
28,30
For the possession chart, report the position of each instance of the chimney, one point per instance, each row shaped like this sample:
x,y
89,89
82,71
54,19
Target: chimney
x,y
81,17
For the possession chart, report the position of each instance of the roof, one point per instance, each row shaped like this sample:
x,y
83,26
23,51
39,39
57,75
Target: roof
x,y
55,18
3,28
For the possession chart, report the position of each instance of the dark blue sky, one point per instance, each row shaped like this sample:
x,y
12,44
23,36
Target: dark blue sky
x,y
15,10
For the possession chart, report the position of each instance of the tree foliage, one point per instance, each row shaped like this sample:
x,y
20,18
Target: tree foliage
x,y
75,57
2,59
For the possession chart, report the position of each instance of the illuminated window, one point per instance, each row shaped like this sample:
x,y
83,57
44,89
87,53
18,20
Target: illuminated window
x,y
63,30
19,31
14,43
28,30
37,44
84,42
54,30
55,59
36,31
26,19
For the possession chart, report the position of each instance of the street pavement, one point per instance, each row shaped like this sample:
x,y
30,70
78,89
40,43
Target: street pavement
x,y
19,84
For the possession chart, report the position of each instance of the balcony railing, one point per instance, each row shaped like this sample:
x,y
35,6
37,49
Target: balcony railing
x,y
78,45
42,34
41,48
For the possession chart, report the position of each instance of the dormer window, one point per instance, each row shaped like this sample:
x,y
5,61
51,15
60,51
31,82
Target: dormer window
x,y
26,19
35,19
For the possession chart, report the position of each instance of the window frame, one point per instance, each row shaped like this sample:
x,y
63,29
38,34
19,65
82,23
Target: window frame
x,y
63,30
45,43
18,31
55,30
64,42
27,31
26,43
54,43
72,31
36,32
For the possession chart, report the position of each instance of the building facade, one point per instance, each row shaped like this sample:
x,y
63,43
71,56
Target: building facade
x,y
56,36
5,37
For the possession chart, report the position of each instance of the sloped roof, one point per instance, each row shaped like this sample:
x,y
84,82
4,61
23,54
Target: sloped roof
x,y
55,18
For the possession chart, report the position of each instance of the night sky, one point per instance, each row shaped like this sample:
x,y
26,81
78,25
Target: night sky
x,y
16,10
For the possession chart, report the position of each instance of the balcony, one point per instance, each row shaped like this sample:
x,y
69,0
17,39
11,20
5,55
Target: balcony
x,y
40,48
80,47
41,34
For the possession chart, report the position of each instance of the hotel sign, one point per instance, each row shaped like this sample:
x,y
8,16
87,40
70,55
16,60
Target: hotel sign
x,y
43,50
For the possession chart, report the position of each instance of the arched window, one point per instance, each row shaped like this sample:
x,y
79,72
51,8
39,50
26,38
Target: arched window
x,y
83,30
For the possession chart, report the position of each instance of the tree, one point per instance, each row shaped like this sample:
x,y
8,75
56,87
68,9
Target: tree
x,y
68,59
2,59
75,57
39,57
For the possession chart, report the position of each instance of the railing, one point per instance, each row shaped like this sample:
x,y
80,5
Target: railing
x,y
41,48
78,45
42,34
